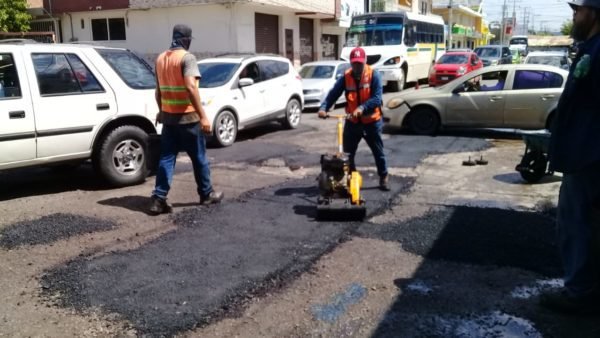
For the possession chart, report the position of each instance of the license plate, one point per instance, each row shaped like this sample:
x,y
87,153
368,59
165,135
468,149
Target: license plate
x,y
445,78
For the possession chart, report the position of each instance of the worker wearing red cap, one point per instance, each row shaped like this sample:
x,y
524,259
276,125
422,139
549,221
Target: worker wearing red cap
x,y
363,90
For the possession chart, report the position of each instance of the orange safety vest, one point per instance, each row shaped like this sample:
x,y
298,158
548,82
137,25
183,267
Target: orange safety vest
x,y
357,96
174,97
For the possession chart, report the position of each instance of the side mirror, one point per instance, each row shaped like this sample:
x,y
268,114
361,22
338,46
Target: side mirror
x,y
245,82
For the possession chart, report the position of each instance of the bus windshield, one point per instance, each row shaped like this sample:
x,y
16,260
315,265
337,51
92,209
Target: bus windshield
x,y
375,31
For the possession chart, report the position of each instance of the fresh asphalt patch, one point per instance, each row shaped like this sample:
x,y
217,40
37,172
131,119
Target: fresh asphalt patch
x,y
49,229
217,259
479,236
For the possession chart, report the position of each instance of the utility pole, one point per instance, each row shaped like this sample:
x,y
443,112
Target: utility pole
x,y
514,18
503,26
525,17
450,25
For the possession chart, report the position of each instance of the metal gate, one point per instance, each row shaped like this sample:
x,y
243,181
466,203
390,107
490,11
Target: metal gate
x,y
307,45
266,33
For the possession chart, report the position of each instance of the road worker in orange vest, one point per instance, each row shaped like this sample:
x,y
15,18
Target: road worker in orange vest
x,y
363,90
185,123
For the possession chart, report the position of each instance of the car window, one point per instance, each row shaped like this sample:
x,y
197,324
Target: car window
x,y
505,51
9,78
215,74
535,79
63,74
342,70
487,52
271,69
551,60
454,59
317,72
490,81
251,71
134,71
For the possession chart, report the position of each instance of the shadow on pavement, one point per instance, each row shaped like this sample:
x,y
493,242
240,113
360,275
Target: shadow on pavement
x,y
133,203
482,272
515,178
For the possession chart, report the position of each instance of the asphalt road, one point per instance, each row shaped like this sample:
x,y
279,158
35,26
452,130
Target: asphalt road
x,y
194,268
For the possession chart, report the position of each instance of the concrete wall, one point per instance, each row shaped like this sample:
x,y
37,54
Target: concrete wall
x,y
318,6
217,28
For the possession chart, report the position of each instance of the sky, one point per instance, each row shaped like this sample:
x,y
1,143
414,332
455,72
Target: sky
x,y
549,13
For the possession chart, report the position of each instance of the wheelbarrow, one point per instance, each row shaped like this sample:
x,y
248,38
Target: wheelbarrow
x,y
534,164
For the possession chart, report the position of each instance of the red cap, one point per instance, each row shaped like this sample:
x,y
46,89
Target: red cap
x,y
358,55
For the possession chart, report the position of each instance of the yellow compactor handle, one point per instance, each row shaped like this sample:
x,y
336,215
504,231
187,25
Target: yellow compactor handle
x,y
355,185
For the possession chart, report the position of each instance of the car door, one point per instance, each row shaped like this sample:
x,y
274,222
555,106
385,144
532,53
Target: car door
x,y
17,122
274,75
534,94
478,101
252,96
71,100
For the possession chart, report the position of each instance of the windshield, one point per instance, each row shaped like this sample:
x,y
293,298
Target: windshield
x,y
375,31
518,41
317,72
456,59
487,52
133,70
215,74
550,60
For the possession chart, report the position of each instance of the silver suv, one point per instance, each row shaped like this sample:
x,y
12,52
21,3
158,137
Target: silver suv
x,y
70,103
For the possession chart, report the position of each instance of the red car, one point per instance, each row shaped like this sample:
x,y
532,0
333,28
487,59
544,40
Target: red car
x,y
452,65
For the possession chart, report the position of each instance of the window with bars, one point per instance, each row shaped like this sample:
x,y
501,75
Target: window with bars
x,y
112,29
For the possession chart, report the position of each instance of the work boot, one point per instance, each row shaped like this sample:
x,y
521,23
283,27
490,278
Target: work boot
x,y
562,302
213,198
384,183
159,206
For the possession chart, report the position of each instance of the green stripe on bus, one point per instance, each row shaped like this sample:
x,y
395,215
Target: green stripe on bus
x,y
176,102
424,49
412,50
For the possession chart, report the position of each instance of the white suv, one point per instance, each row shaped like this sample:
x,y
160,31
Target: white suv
x,y
239,91
69,103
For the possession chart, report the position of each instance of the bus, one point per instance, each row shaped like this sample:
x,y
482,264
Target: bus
x,y
400,45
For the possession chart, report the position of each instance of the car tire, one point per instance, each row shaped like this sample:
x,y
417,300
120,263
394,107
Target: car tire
x,y
225,129
121,157
293,114
536,165
424,121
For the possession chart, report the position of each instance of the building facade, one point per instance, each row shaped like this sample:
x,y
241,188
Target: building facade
x,y
303,31
467,26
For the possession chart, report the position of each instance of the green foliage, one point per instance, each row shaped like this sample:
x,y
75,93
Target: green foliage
x,y
567,27
14,16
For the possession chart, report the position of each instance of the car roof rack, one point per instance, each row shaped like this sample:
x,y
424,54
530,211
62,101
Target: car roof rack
x,y
17,41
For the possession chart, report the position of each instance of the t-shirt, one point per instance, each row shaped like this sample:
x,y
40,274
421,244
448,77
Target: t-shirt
x,y
189,67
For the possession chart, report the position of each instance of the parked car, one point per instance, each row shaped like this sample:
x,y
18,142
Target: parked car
x,y
492,55
318,78
67,103
557,59
452,65
240,91
507,96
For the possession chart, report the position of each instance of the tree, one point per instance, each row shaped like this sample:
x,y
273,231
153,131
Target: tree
x,y
567,27
14,16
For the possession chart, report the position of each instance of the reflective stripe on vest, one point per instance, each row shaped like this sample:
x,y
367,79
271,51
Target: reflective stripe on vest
x,y
355,98
174,97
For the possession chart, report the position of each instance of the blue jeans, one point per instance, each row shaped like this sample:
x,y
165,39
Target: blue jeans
x,y
187,137
354,132
578,230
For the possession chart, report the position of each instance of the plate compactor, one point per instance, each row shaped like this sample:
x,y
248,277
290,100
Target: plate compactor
x,y
339,188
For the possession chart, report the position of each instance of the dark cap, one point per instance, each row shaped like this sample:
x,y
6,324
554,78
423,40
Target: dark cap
x,y
584,3
182,31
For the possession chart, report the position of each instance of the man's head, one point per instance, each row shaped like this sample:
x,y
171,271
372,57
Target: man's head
x,y
586,19
182,36
358,57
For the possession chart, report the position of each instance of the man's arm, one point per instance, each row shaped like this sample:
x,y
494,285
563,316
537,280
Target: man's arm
x,y
333,94
192,89
376,99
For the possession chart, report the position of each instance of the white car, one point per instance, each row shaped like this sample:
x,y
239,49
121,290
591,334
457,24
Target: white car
x,y
239,91
70,103
557,59
318,78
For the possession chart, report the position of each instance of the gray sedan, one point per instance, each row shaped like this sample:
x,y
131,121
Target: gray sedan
x,y
507,96
318,78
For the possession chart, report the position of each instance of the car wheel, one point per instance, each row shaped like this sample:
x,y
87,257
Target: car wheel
x,y
225,129
534,168
424,121
293,114
121,157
